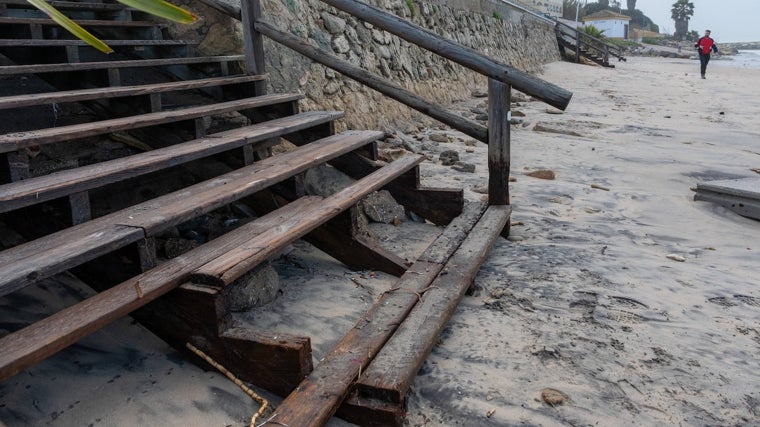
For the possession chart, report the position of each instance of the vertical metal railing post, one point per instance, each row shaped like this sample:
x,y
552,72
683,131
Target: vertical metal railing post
x,y
499,116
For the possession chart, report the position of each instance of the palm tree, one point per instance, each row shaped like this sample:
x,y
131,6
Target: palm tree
x,y
681,12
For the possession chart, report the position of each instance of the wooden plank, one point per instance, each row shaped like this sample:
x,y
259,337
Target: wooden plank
x,y
382,85
70,247
27,100
60,251
470,58
253,41
99,65
81,22
227,268
62,183
77,42
19,140
393,370
499,95
28,346
367,412
70,5
318,396
739,195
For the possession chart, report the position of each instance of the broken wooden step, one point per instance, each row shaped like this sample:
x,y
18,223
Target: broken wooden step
x,y
318,397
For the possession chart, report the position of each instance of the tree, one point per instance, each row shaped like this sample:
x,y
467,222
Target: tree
x,y
631,5
593,31
682,11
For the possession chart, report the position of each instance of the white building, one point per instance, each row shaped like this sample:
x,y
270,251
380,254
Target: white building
x,y
613,24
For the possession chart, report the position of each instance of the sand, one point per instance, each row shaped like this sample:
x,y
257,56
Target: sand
x,y
636,304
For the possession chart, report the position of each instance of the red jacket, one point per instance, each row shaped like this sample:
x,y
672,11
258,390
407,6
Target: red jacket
x,y
705,45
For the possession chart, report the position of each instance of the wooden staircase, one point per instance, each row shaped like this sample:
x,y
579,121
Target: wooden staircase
x,y
582,45
153,100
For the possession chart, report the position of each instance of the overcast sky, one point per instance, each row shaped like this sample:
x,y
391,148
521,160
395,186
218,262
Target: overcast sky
x,y
729,20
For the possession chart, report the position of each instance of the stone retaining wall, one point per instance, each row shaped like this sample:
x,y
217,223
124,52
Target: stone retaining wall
x,y
488,26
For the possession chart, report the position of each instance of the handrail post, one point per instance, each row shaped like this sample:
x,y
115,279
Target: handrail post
x,y
253,41
577,46
499,116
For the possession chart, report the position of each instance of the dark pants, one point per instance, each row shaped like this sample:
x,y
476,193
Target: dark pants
x,y
704,58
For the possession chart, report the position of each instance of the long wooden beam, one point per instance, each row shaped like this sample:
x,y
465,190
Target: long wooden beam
x,y
317,398
380,84
465,56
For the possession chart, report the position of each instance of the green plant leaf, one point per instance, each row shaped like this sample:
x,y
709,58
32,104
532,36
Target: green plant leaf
x,y
70,25
162,9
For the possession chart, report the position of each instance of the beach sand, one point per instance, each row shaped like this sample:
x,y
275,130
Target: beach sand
x,y
638,305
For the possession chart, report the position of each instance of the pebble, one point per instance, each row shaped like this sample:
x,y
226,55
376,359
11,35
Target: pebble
x,y
553,397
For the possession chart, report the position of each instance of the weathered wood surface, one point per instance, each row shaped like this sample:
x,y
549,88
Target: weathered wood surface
x,y
470,58
77,42
230,10
317,398
34,343
739,195
499,95
393,370
47,187
83,22
27,100
60,251
230,266
382,85
19,140
253,41
99,65
70,5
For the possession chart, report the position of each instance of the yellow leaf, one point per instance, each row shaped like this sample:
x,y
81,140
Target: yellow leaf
x,y
162,9
70,25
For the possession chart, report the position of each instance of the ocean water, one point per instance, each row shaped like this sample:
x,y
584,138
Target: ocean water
x,y
745,59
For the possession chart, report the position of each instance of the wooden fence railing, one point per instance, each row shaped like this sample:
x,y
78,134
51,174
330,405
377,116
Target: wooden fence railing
x,y
501,77
582,40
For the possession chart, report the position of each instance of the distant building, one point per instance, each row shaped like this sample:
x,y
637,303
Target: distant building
x,y
613,24
550,7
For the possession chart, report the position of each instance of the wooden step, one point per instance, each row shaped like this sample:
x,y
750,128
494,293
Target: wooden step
x,y
28,43
27,100
101,65
69,5
39,189
317,398
42,339
20,140
83,22
269,235
68,248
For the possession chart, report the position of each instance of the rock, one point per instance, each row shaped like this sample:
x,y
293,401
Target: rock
x,y
325,181
255,288
381,207
552,110
333,24
481,189
517,113
541,174
391,154
514,121
482,117
554,397
176,246
439,137
676,257
472,143
448,157
463,167
551,129
477,93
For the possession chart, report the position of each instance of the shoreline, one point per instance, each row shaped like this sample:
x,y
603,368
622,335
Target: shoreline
x,y
583,298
